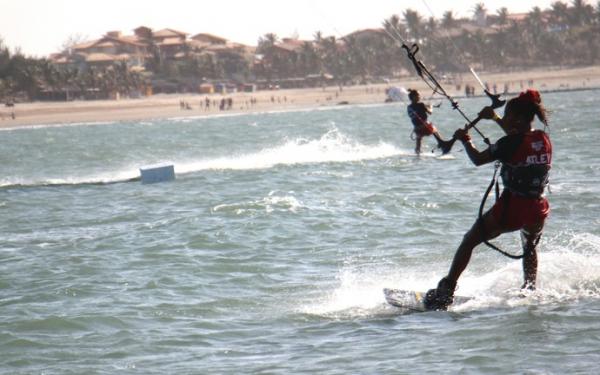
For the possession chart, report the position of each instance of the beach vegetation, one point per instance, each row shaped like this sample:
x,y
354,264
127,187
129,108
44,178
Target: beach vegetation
x,y
566,34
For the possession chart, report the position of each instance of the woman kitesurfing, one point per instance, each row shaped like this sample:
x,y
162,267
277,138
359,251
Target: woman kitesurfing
x,y
418,112
525,155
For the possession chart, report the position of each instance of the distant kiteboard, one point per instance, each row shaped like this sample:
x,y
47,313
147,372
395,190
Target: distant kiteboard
x,y
413,301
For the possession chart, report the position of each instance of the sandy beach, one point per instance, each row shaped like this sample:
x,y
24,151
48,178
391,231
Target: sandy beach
x,y
169,105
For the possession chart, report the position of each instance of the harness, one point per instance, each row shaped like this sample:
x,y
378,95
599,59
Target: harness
x,y
414,116
480,215
528,181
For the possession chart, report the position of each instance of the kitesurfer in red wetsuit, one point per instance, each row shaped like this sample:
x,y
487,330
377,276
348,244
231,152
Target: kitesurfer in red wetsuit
x,y
418,113
526,156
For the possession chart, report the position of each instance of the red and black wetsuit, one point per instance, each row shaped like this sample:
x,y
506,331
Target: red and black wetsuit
x,y
418,115
526,160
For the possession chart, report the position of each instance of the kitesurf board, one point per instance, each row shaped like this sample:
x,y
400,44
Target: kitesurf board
x,y
411,300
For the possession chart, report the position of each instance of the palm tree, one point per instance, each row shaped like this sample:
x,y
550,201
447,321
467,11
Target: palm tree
x,y
66,79
23,75
502,16
5,73
431,27
309,62
559,13
475,44
502,41
357,58
552,48
318,37
155,62
49,74
480,14
514,35
267,42
394,27
266,47
581,13
590,40
124,78
330,55
208,66
414,24
392,54
233,64
535,29
448,20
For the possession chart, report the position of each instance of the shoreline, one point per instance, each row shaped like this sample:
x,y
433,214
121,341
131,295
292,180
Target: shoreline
x,y
169,105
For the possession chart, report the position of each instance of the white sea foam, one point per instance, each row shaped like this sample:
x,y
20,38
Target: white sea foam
x,y
273,202
331,147
89,179
56,125
566,273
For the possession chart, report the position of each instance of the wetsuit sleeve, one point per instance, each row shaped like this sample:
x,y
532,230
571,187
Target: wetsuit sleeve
x,y
422,110
505,148
417,113
413,115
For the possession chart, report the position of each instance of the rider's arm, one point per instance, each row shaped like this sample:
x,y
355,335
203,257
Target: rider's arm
x,y
490,114
477,157
502,150
428,108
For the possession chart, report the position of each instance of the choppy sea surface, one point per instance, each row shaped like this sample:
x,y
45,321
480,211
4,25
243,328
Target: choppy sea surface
x,y
269,252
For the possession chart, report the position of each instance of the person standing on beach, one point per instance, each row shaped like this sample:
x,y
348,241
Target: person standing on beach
x,y
526,156
418,112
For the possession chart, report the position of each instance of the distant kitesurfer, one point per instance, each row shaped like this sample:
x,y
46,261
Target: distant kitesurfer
x,y
418,112
525,155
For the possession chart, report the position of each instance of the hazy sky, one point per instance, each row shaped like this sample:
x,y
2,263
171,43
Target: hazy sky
x,y
40,27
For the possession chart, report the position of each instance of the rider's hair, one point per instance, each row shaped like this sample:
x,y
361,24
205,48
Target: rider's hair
x,y
412,93
529,104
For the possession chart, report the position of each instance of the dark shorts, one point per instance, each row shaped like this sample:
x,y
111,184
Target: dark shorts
x,y
424,129
514,212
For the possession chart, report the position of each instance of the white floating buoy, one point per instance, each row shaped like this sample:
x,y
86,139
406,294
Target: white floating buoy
x,y
157,173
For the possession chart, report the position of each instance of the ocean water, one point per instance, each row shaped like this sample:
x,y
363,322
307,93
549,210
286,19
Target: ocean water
x,y
269,252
